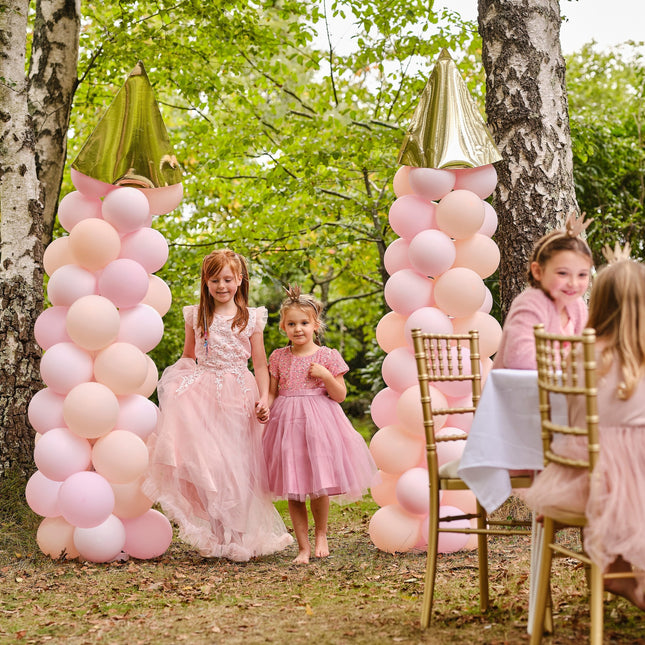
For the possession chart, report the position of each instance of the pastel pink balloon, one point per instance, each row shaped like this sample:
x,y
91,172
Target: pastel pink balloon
x,y
91,410
120,456
94,243
413,491
64,365
147,536
55,538
146,246
138,415
411,214
393,529
90,186
164,199
69,283
462,499
42,495
488,302
150,383
50,328
431,252
389,331
451,542
122,367
459,292
101,543
460,214
93,322
383,407
479,253
124,282
45,410
394,450
60,453
407,290
490,221
490,331
410,413
431,183
401,181
461,421
141,326
158,295
396,256
400,369
429,320
384,492
57,254
75,207
126,208
481,180
130,500
455,388
448,451
86,499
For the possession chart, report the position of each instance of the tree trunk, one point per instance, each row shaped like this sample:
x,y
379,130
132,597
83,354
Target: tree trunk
x,y
527,110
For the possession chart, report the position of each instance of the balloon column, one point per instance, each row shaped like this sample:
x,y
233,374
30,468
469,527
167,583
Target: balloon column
x,y
437,268
94,415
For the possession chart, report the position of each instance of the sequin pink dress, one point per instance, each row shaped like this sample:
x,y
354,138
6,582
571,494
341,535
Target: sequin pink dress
x,y
207,469
310,446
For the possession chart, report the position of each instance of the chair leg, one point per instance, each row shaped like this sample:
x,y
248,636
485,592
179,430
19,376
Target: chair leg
x,y
482,556
542,594
431,561
596,605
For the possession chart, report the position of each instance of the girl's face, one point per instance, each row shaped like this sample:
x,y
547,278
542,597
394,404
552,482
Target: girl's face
x,y
564,276
299,327
223,286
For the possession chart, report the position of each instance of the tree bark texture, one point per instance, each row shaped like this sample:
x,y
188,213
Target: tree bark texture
x,y
527,110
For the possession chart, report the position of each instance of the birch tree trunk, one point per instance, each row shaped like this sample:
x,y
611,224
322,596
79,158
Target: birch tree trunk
x,y
527,110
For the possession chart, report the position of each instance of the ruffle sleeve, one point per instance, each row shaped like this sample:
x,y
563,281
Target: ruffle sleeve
x,y
335,362
261,317
190,314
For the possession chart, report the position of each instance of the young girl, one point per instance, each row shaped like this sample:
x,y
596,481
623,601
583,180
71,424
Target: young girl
x,y
613,502
206,464
558,275
311,448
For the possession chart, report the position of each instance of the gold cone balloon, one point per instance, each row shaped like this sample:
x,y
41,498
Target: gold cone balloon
x,y
130,145
447,129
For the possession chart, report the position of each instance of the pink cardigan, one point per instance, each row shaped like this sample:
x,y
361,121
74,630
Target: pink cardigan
x,y
532,307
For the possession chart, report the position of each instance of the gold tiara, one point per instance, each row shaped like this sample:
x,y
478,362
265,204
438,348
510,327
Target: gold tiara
x,y
617,253
576,225
293,292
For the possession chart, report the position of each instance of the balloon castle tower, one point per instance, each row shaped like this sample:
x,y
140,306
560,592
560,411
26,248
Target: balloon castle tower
x,y
94,415
437,268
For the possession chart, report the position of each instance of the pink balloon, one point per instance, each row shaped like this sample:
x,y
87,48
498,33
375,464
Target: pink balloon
x,y
137,414
146,246
384,492
86,499
150,384
122,367
57,254
411,214
50,327
429,320
460,421
389,331
94,243
69,283
129,500
124,282
451,542
395,451
101,543
413,491
462,499
141,326
60,453
64,365
407,290
93,322
400,369
393,530
401,182
490,331
158,295
45,410
478,253
88,185
76,206
147,536
120,456
481,180
488,302
448,451
490,221
91,410
455,388
431,252
431,183
460,214
55,538
410,413
383,408
459,292
164,199
396,256
126,208
42,495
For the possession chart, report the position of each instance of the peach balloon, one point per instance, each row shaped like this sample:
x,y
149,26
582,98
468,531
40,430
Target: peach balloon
x,y
431,252
41,494
383,407
137,414
45,410
449,542
164,199
410,413
478,253
91,410
142,326
460,214
93,322
488,302
462,499
406,290
69,283
94,243
101,543
481,180
120,456
448,451
126,208
431,183
129,500
411,214
147,536
455,388
75,207
389,331
395,451
490,331
384,492
124,282
413,491
400,369
122,367
88,185
158,295
50,328
60,453
55,538
57,254
490,221
401,181
149,385
396,256
393,530
64,365
459,292
430,320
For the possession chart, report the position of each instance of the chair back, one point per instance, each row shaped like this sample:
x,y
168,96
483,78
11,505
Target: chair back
x,y
567,366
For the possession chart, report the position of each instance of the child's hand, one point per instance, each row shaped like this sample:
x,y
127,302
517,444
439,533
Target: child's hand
x,y
318,371
262,412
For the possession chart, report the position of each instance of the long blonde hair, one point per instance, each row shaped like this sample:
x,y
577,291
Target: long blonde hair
x,y
617,313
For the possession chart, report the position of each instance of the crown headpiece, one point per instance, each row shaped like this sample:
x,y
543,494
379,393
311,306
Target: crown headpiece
x,y
616,254
574,226
293,292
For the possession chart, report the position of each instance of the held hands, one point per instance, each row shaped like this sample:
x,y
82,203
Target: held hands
x,y
262,411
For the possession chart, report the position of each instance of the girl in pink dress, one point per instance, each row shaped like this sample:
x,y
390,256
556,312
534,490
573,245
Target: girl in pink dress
x,y
310,447
612,499
207,469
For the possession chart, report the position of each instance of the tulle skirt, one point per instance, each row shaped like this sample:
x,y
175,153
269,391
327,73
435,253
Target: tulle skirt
x,y
311,449
207,469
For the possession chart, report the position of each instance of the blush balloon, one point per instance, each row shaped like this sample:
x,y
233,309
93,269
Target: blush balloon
x,y
448,451
42,495
57,254
401,181
88,185
64,365
429,320
90,410
396,256
395,451
124,282
164,199
69,283
101,543
55,538
130,500
94,243
122,367
431,183
120,456
411,214
481,180
50,327
86,499
126,208
488,302
460,214
149,385
389,331
393,530
146,246
410,413
158,295
60,453
431,252
93,322
490,221
142,326
462,499
413,491
407,290
147,536
75,207
400,369
490,331
138,415
384,492
45,410
459,292
479,253
383,407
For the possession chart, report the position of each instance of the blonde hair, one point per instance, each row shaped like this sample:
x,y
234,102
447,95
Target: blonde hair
x,y
212,266
550,244
307,304
617,313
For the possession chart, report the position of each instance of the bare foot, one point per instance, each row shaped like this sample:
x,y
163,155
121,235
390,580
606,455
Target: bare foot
x,y
302,557
322,549
626,587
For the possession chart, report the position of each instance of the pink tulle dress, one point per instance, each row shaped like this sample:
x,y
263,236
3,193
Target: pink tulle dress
x,y
310,446
207,468
613,501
